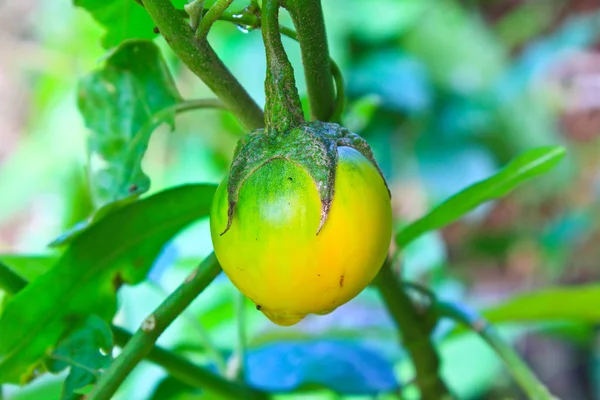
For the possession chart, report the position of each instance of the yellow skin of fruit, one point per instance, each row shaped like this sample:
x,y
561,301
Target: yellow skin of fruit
x,y
272,252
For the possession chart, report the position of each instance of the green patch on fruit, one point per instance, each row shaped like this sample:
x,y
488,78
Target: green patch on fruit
x,y
312,145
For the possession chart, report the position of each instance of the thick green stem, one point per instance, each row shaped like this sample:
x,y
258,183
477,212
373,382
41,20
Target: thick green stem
x,y
199,56
142,342
415,335
283,110
307,16
520,370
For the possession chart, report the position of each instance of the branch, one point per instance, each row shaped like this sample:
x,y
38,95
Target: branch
x,y
518,368
141,343
213,14
307,16
415,332
201,59
186,372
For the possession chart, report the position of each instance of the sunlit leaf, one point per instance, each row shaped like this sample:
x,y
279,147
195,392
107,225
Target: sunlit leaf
x,y
28,266
121,19
118,249
86,352
119,102
526,166
122,103
574,303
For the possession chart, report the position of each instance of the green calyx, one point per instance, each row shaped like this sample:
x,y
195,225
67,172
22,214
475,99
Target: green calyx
x,y
312,146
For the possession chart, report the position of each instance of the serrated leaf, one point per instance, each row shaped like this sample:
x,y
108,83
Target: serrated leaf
x,y
120,248
569,303
86,352
122,103
121,19
526,166
119,103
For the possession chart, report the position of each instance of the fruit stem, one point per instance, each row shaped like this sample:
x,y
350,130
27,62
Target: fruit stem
x,y
307,16
283,110
415,332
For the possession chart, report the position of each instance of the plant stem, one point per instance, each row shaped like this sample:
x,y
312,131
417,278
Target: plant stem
x,y
415,335
186,372
142,342
518,368
307,16
213,14
283,110
199,56
203,336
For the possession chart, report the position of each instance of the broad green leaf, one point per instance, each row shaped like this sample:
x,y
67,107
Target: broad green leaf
x,y
526,166
575,303
119,103
86,352
28,266
118,249
121,19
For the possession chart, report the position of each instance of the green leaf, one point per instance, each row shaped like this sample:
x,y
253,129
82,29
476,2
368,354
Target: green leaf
x,y
86,352
122,19
122,103
28,266
119,103
526,166
119,248
575,303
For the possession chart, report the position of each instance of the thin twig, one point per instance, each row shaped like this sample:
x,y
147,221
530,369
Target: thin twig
x,y
142,342
213,14
519,369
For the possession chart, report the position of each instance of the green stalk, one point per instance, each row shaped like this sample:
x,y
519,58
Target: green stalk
x,y
186,372
142,342
415,335
203,337
518,368
213,14
283,110
307,16
201,59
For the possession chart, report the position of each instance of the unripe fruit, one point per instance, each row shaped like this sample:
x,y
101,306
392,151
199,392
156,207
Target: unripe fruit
x,y
272,252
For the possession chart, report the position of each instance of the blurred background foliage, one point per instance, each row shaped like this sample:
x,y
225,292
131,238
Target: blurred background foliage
x,y
446,92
